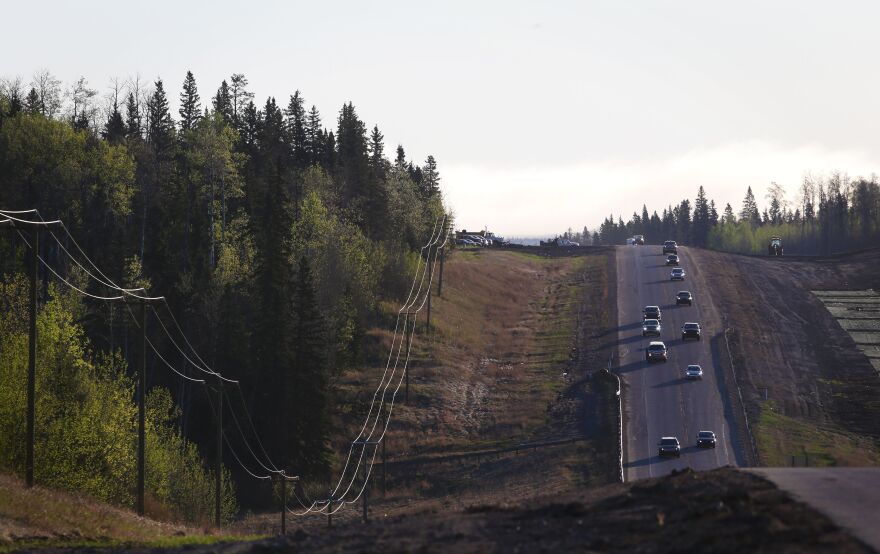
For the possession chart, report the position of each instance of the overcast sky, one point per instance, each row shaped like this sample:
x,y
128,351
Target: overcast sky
x,y
541,115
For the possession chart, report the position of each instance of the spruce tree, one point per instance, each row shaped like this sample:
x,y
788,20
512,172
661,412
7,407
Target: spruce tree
x,y
132,118
400,158
190,104
377,156
729,216
309,386
749,210
223,101
314,136
297,135
161,126
114,128
32,103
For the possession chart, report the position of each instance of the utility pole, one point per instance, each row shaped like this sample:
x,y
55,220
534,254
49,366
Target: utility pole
x,y
11,223
141,393
219,460
284,479
330,507
430,276
32,359
384,462
406,362
366,491
442,260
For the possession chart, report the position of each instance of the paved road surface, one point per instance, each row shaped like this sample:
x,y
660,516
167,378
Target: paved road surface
x,y
850,496
657,400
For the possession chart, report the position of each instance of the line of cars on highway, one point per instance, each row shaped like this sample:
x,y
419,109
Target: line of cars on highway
x,y
652,325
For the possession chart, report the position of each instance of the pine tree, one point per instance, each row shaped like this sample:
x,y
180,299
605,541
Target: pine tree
x,y
297,135
430,179
190,104
713,214
240,97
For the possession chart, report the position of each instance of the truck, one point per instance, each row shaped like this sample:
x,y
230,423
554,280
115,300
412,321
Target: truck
x,y
775,247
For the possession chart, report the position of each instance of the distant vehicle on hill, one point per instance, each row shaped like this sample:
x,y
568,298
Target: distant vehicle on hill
x,y
670,247
669,446
677,274
775,247
639,239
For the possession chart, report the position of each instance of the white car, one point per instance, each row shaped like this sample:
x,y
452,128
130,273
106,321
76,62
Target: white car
x,y
677,274
693,372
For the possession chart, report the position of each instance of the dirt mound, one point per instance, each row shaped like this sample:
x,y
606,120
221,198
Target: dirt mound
x,y
717,511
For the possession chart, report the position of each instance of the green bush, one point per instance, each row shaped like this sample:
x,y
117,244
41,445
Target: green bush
x,y
86,420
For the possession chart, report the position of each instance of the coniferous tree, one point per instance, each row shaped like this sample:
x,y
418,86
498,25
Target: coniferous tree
x,y
400,158
114,128
430,181
240,97
309,385
223,101
161,126
132,118
190,104
749,210
297,136
314,136
377,156
32,103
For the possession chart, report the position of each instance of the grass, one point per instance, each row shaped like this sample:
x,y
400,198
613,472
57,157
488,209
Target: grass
x,y
44,518
780,437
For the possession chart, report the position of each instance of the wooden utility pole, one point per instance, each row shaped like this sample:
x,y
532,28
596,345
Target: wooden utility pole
x,y
384,462
440,282
141,394
430,277
330,507
32,359
219,461
366,490
33,264
406,362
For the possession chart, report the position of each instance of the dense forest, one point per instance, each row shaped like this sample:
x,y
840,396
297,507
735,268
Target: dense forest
x,y
274,238
834,214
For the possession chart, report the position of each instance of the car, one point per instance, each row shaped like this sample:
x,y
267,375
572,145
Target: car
x,y
684,297
652,312
693,372
630,241
690,330
639,239
651,327
670,247
656,351
677,274
672,259
669,446
705,439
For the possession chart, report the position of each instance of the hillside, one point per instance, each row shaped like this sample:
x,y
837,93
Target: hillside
x,y
44,518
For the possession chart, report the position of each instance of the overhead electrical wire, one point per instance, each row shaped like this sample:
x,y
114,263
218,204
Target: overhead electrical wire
x,y
406,311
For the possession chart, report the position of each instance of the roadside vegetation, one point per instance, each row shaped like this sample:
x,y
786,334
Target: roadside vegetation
x,y
833,214
276,238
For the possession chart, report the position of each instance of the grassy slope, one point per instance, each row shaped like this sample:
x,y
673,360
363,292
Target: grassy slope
x,y
43,518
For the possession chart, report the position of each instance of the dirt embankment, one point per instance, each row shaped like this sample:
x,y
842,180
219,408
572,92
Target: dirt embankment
x,y
721,511
812,397
514,337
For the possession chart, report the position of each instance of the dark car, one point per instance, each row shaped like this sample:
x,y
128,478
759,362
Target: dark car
x,y
656,351
670,247
651,327
672,259
684,297
706,439
690,331
669,446
652,312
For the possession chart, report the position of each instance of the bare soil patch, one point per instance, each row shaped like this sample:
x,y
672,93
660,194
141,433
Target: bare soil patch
x,y
811,395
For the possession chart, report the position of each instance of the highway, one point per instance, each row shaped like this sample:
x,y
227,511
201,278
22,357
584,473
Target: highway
x,y
657,400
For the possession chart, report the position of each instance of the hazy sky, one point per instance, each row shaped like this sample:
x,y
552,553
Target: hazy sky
x,y
542,115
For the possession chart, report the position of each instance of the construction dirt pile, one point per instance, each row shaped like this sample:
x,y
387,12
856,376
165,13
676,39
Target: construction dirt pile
x,y
716,511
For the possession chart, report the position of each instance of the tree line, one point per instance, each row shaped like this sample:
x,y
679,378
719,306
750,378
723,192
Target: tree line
x,y
274,237
832,214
